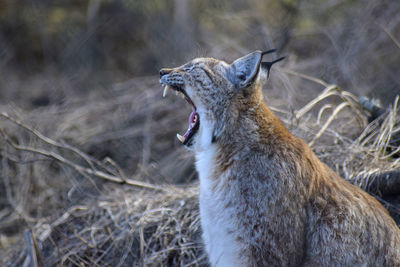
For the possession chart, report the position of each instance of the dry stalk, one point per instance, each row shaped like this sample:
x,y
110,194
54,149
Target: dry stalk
x,y
46,139
80,169
328,122
304,76
33,251
395,41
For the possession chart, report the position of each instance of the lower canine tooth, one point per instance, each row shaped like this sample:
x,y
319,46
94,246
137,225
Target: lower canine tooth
x,y
180,137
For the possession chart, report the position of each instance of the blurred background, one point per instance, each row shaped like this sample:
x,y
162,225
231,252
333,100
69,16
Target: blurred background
x,y
50,50
85,75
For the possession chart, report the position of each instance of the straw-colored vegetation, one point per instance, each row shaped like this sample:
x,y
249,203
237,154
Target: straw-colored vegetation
x,y
115,219
91,173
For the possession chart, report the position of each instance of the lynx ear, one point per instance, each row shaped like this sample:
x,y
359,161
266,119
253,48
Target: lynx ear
x,y
243,70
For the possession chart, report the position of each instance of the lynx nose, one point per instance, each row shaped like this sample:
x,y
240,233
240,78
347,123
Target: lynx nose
x,y
164,72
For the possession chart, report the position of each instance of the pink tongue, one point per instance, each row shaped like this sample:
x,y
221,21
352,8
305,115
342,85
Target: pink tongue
x,y
191,119
192,116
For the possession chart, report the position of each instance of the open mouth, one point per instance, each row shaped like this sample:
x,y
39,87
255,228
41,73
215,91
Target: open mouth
x,y
194,119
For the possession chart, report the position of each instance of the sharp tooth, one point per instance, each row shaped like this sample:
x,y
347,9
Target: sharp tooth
x,y
166,89
180,137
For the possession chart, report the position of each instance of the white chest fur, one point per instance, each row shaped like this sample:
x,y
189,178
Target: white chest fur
x,y
216,219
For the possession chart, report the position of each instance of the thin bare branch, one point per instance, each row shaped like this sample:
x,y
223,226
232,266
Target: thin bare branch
x,y
329,91
81,169
395,41
304,76
328,122
33,250
48,140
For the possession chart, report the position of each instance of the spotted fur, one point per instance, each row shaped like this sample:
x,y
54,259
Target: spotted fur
x,y
265,198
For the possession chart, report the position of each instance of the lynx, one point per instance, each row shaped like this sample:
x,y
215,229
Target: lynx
x,y
265,198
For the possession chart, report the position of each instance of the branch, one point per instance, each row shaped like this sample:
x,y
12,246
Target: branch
x,y
88,159
34,254
328,122
48,140
83,170
304,76
395,41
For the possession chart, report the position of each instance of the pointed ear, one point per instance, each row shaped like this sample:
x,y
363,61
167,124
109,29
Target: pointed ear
x,y
243,70
266,66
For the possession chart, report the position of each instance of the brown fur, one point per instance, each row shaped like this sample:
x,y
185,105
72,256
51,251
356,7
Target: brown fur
x,y
287,207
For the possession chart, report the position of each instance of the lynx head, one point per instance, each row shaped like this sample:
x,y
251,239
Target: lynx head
x,y
217,92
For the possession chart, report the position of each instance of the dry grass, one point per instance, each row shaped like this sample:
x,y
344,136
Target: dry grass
x,y
125,227
96,175
65,173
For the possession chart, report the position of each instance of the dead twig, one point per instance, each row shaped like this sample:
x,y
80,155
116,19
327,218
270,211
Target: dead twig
x,y
328,122
395,41
79,168
34,255
329,91
46,139
304,76
117,168
88,159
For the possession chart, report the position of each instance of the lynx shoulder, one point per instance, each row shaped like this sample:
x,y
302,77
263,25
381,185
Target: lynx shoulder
x,y
265,198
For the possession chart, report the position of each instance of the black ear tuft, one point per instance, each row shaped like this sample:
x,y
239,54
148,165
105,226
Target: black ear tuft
x,y
268,52
243,70
267,65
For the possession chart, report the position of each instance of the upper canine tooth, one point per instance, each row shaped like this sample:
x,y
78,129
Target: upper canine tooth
x,y
166,89
180,137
